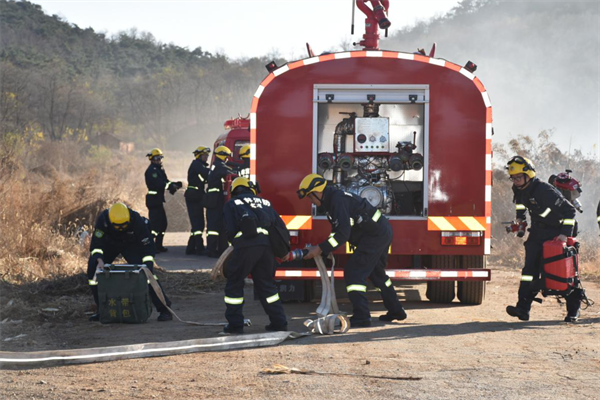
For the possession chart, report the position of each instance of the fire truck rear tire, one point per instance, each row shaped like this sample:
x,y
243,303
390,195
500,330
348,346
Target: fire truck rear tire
x,y
472,292
442,291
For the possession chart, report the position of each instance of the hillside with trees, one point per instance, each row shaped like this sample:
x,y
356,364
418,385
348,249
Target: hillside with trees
x,y
63,82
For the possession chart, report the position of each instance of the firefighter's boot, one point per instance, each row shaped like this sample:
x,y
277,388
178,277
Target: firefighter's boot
x,y
573,305
165,316
190,248
275,328
522,314
199,244
389,317
233,330
159,244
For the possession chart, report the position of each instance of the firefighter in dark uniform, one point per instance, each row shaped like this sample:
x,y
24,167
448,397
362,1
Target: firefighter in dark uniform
x,y
194,196
552,216
120,230
157,182
243,169
247,218
356,221
216,241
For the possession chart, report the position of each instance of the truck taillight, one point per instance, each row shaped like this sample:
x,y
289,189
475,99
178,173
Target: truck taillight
x,y
294,237
461,238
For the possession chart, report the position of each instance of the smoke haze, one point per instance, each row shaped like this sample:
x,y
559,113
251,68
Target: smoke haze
x,y
539,62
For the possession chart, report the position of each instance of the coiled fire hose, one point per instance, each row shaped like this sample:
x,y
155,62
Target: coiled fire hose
x,y
330,319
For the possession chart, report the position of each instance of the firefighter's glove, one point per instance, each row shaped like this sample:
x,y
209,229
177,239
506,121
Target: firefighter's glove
x,y
100,265
172,188
313,252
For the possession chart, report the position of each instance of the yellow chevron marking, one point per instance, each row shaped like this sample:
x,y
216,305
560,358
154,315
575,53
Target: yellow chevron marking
x,y
472,223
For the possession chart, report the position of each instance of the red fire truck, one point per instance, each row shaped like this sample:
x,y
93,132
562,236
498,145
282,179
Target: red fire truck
x,y
407,131
236,136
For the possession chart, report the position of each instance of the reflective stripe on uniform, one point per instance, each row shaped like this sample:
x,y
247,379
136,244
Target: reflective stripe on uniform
x,y
351,221
214,190
520,207
192,187
234,300
356,288
212,233
201,178
148,258
526,278
155,277
155,233
197,233
92,282
598,219
99,251
167,185
545,213
258,230
152,192
273,298
568,222
388,283
377,215
333,242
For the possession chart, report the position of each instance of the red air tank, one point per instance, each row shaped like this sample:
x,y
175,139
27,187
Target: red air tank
x,y
560,266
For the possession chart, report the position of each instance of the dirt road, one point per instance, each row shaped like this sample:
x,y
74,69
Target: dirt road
x,y
460,352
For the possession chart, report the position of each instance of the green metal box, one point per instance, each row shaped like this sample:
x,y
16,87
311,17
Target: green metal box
x,y
123,294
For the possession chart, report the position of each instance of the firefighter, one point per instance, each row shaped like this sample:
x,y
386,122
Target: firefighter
x,y
244,168
215,198
247,218
120,230
194,196
551,216
157,182
356,221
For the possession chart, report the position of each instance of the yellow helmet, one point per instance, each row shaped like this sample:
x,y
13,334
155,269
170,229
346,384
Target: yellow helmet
x,y
311,183
119,217
243,182
520,165
222,152
245,151
201,150
154,153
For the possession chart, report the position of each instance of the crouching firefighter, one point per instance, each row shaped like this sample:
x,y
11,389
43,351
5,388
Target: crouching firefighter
x,y
247,219
552,216
356,221
120,230
194,197
216,242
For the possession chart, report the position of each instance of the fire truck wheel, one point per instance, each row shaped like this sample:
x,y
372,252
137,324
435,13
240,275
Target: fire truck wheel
x,y
472,292
443,291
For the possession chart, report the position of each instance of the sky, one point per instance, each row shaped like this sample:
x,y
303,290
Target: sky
x,y
242,28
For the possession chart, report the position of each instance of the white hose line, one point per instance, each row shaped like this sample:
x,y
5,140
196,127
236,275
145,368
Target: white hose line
x,y
100,354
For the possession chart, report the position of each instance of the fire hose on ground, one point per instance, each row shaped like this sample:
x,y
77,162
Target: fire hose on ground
x,y
325,324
